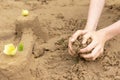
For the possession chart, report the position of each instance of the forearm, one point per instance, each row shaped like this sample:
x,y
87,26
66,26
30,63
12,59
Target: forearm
x,y
112,30
95,10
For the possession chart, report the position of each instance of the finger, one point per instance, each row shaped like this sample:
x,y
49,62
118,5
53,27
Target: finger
x,y
70,49
89,47
95,53
71,52
98,54
85,38
76,34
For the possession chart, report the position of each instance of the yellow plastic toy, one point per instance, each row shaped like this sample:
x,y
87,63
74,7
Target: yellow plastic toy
x,y
10,50
25,12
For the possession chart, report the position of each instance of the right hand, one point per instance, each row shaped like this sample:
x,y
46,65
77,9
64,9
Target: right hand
x,y
96,46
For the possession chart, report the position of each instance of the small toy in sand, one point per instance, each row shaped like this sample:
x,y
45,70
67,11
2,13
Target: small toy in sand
x,y
25,12
10,50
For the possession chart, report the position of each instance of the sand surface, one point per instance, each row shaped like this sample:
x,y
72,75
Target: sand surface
x,y
58,19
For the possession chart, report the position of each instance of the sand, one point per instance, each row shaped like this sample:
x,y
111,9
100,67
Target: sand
x,y
45,34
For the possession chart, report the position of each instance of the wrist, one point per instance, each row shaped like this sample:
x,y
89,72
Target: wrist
x,y
88,28
106,34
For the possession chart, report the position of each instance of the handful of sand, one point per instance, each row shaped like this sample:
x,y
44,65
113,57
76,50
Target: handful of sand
x,y
77,45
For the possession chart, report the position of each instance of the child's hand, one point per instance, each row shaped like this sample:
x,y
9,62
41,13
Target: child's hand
x,y
73,38
96,46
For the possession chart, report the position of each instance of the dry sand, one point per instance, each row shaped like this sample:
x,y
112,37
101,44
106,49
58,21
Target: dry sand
x,y
56,21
